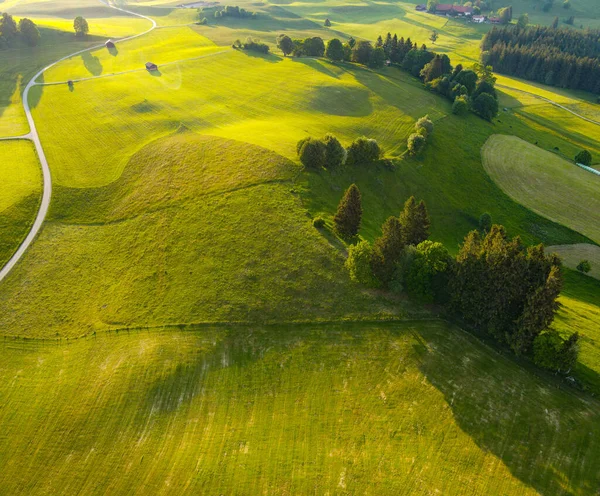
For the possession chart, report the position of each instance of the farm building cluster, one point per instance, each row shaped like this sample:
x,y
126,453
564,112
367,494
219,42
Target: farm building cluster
x,y
449,10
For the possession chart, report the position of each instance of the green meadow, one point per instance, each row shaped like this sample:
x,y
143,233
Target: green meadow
x,y
414,408
180,327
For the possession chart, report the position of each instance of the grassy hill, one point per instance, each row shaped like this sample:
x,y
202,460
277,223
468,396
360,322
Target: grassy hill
x,y
148,344
405,409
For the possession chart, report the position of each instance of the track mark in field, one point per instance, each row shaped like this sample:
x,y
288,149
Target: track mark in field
x,y
551,102
34,137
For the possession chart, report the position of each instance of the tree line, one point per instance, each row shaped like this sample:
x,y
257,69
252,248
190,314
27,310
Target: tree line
x,y
558,57
495,284
329,153
10,32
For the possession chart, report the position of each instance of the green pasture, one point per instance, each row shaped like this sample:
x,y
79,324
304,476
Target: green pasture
x,y
571,255
20,193
197,229
164,45
415,408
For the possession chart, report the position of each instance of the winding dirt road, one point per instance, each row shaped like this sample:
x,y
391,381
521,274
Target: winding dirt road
x,y
34,137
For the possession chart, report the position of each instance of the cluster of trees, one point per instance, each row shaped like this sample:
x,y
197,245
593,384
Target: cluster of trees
x,y
251,44
329,153
416,141
557,57
495,284
10,31
235,11
510,291
469,89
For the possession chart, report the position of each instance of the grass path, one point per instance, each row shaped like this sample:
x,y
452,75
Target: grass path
x,y
592,121
34,137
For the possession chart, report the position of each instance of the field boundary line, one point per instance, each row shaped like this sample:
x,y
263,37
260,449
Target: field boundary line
x,y
551,102
35,138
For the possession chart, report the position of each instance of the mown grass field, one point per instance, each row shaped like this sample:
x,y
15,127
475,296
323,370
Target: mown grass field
x,y
415,408
545,183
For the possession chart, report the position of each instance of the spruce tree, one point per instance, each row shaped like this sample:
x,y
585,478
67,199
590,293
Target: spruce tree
x,y
387,251
538,313
415,221
349,213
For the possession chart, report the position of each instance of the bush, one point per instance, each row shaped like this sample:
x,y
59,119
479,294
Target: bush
x,y
319,222
584,157
416,143
584,266
426,124
358,263
311,153
552,352
460,105
203,21
335,153
363,151
256,46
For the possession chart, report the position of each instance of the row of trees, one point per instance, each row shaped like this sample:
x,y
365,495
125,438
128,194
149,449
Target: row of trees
x,y
10,31
232,11
307,47
251,44
557,57
329,153
495,284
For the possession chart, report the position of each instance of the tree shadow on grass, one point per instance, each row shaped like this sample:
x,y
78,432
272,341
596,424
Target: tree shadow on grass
x,y
545,432
268,57
92,63
317,65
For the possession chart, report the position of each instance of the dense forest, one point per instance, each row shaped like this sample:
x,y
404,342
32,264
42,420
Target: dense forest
x,y
557,57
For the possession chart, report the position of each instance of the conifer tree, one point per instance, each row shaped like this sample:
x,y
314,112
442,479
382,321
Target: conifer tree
x,y
349,213
538,313
387,250
415,222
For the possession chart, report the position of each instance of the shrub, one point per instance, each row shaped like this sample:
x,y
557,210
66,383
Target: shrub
x,y
327,23
363,151
203,21
584,266
426,124
358,263
311,153
485,222
552,352
460,105
256,46
584,157
416,143
335,153
319,222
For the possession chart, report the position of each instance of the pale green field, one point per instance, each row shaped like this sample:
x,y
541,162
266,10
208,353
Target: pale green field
x,y
571,255
161,46
545,183
409,409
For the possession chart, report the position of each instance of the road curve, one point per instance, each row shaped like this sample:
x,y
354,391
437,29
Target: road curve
x,y
33,136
